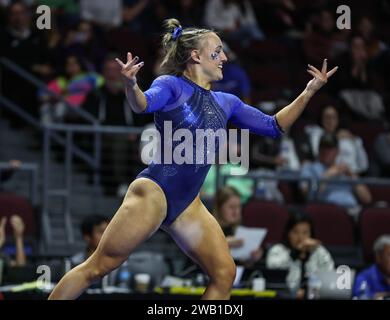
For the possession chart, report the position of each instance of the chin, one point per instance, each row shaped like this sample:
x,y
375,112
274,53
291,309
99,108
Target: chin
x,y
219,77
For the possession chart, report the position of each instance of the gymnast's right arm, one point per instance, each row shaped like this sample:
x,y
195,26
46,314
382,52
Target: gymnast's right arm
x,y
149,101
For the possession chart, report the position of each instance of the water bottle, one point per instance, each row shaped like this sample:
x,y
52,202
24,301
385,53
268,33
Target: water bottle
x,y
124,276
313,287
261,192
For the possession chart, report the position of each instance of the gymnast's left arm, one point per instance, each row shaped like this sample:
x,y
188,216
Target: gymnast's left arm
x,y
289,114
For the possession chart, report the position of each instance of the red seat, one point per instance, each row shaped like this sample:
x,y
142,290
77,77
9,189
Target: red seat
x,y
374,222
380,193
11,204
332,224
269,215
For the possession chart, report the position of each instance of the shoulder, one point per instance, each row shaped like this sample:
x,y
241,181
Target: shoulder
x,y
228,98
278,248
166,79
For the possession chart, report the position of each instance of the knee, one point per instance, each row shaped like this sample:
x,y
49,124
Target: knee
x,y
225,275
95,270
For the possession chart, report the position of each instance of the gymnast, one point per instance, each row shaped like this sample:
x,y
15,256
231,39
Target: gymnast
x,y
166,196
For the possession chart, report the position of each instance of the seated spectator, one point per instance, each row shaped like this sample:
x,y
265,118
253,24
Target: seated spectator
x,y
321,37
227,211
109,105
134,13
18,230
92,229
351,149
326,167
73,87
107,14
236,19
235,79
84,41
360,84
374,282
366,29
189,13
299,253
381,165
24,46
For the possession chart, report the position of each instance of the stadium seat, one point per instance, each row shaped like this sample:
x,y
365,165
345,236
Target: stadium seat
x,y
374,222
332,224
266,214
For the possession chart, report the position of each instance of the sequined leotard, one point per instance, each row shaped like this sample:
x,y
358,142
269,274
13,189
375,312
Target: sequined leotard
x,y
189,106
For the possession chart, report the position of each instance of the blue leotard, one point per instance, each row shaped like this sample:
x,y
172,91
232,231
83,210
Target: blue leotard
x,y
189,106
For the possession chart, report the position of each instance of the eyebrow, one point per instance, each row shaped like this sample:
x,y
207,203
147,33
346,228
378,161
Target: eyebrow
x,y
219,47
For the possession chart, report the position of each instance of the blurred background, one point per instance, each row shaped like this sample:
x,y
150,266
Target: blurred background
x,y
70,144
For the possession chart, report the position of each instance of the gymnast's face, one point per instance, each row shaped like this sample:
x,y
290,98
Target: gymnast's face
x,y
231,211
211,57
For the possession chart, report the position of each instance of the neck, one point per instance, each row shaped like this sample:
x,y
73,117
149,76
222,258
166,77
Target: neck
x,y
195,76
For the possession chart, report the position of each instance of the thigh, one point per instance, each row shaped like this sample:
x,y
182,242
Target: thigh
x,y
200,236
139,216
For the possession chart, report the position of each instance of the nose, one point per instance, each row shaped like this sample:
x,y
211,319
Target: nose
x,y
224,57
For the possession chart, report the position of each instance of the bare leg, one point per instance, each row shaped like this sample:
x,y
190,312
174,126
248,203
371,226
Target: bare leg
x,y
199,235
139,216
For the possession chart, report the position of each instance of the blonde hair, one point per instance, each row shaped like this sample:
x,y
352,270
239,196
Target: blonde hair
x,y
177,50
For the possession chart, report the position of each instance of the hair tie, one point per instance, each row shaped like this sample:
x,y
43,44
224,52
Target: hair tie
x,y
177,33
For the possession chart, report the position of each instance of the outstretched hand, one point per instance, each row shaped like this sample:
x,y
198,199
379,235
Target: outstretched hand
x,y
130,68
320,77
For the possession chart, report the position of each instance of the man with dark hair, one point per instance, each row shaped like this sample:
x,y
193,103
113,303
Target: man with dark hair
x,y
326,167
92,229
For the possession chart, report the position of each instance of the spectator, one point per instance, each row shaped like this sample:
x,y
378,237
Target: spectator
x,y
109,106
189,12
366,30
351,149
18,230
299,253
227,211
381,166
84,42
92,229
107,14
360,84
320,38
374,282
133,13
21,44
73,87
327,167
236,19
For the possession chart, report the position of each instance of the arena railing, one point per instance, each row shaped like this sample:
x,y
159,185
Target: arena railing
x,y
313,183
